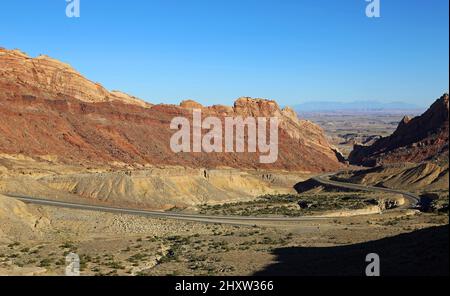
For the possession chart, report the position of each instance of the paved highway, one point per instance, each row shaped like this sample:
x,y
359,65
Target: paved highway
x,y
235,220
411,199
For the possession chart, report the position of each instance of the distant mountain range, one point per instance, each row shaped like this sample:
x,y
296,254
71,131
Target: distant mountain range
x,y
354,106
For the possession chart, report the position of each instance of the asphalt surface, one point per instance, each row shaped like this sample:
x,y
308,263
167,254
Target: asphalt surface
x,y
411,199
234,220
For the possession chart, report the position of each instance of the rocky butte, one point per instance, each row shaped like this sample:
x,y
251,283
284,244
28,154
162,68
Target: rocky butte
x,y
415,140
50,111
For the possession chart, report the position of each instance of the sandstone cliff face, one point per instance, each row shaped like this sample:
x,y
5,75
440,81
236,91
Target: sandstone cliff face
x,y
48,110
53,79
415,140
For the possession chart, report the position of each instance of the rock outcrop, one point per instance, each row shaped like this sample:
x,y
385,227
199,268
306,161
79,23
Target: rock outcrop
x,y
49,110
422,138
45,76
190,104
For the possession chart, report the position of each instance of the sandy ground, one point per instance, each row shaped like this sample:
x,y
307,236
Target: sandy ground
x,y
35,240
110,244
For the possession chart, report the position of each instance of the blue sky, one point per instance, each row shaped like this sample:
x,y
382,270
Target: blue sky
x,y
214,51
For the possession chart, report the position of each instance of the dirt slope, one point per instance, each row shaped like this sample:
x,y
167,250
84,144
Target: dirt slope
x,y
18,221
426,176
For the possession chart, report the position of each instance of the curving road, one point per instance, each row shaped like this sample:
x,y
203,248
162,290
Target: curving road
x,y
234,220
411,199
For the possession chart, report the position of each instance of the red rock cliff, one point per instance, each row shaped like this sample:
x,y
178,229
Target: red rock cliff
x,y
49,109
415,140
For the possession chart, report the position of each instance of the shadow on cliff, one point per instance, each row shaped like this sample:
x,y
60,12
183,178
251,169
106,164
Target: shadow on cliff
x,y
420,253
